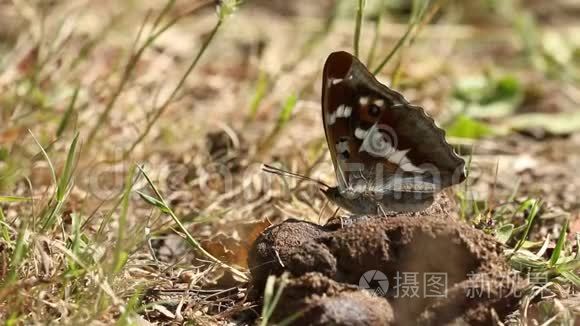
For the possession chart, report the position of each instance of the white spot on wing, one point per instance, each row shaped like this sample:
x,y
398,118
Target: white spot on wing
x,y
340,111
331,119
342,147
347,111
379,102
363,100
360,133
410,167
400,158
335,81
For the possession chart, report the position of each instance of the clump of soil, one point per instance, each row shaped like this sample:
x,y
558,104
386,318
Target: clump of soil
x,y
336,268
331,303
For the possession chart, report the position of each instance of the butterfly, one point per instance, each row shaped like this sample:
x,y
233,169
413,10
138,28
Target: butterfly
x,y
388,155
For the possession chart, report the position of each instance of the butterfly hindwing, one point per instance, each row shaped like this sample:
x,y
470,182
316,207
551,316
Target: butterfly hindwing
x,y
371,128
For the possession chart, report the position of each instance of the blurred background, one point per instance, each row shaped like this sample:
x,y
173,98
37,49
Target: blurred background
x,y
201,93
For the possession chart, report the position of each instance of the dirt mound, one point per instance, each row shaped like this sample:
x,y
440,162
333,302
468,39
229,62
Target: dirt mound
x,y
429,270
323,301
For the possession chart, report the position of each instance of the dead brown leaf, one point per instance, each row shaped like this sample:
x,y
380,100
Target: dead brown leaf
x,y
232,248
575,225
10,135
27,64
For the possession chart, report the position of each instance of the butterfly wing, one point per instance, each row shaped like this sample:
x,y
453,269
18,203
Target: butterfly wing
x,y
373,132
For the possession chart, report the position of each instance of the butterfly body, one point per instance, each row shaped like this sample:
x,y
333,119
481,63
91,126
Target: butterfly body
x,y
388,155
376,202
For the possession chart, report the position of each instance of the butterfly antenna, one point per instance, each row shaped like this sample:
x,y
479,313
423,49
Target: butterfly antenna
x,y
283,173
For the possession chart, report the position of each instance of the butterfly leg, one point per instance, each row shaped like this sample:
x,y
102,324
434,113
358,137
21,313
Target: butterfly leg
x,y
354,219
333,219
380,210
323,209
362,176
335,212
339,218
349,220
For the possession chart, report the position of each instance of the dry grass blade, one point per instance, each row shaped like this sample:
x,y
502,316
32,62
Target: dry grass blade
x,y
205,99
160,203
131,65
224,10
415,21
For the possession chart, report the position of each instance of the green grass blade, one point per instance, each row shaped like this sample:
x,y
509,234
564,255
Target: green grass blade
x,y
281,286
283,118
570,266
577,246
504,233
164,11
18,255
153,201
68,113
359,17
559,245
523,262
572,277
188,237
64,183
120,255
415,20
534,210
287,110
13,199
463,197
271,297
100,234
4,228
259,93
377,33
130,309
290,319
52,171
76,242
268,297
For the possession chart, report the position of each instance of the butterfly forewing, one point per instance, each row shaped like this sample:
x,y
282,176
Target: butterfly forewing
x,y
377,138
